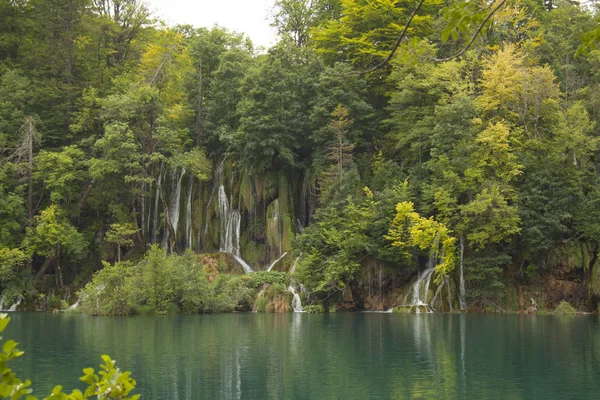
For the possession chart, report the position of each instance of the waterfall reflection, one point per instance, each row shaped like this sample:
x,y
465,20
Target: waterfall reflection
x,y
302,356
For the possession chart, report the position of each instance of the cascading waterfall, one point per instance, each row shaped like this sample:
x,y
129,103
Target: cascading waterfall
x,y
78,302
461,287
420,289
293,269
276,261
156,199
230,224
175,199
16,304
296,301
13,307
188,215
172,207
275,222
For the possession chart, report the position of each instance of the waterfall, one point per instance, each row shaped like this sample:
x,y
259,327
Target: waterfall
x,y
188,215
16,304
171,202
293,269
380,282
461,287
276,261
76,304
156,198
296,302
175,199
420,291
245,266
13,307
230,225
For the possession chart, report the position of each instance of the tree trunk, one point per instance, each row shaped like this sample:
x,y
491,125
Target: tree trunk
x,y
199,105
45,266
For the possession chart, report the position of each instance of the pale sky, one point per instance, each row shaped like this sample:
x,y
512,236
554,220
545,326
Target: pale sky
x,y
244,16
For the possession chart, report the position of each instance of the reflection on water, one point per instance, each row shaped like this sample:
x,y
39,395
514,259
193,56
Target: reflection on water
x,y
303,356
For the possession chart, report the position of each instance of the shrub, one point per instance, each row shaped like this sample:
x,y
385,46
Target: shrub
x,y
314,309
564,308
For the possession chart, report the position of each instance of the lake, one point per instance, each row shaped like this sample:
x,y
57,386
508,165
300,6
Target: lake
x,y
302,356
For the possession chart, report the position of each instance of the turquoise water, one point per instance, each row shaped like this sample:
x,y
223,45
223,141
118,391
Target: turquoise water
x,y
301,356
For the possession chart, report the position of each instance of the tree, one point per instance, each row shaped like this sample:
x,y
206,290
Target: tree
x,y
52,236
120,234
339,153
409,229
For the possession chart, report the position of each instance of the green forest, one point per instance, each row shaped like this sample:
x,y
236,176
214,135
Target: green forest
x,y
379,145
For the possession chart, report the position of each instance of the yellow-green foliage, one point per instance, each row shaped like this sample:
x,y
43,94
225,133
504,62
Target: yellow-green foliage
x,y
409,229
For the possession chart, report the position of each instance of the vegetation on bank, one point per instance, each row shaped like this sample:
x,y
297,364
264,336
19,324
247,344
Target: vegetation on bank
x,y
118,134
174,284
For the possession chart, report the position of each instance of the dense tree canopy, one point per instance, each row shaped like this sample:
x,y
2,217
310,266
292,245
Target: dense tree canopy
x,y
117,131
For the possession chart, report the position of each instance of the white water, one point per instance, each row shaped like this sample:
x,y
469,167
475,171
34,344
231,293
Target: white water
x,y
275,223
247,268
230,225
230,221
16,304
13,307
276,261
188,215
156,198
295,263
175,199
461,287
420,291
296,302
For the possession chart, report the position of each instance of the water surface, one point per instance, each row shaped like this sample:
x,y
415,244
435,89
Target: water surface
x,y
302,356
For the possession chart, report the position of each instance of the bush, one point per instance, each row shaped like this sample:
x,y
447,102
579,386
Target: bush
x,y
107,294
261,304
314,309
172,284
564,308
260,278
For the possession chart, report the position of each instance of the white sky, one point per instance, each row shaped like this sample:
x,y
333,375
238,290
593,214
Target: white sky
x,y
244,16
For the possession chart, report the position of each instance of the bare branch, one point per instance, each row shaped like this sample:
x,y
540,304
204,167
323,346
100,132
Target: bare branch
x,y
162,65
477,32
397,44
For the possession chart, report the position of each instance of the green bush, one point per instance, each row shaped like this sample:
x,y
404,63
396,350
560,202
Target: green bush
x,y
564,308
260,278
107,293
261,304
315,309
171,284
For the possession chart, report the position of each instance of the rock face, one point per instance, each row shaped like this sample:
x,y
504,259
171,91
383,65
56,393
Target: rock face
x,y
254,217
272,298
